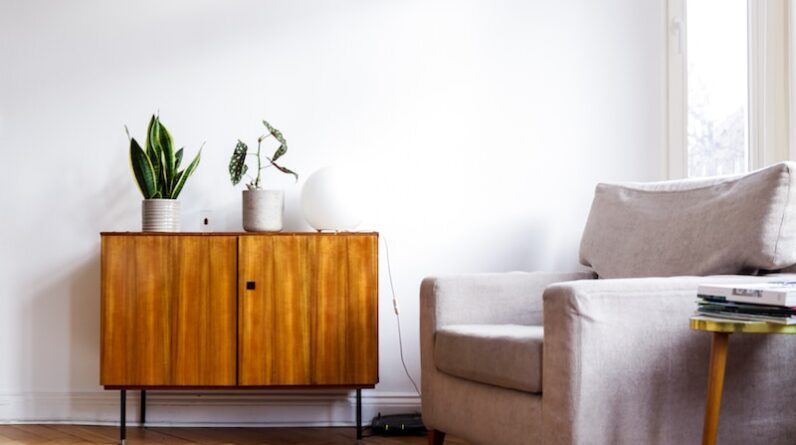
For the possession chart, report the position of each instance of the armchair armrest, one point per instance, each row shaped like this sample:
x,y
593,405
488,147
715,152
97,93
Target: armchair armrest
x,y
619,355
513,297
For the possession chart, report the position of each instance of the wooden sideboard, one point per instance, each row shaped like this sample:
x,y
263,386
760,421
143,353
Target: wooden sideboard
x,y
239,310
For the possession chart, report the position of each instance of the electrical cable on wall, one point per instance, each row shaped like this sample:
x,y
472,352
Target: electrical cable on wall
x,y
397,316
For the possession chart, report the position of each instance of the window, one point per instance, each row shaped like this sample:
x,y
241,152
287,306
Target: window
x,y
716,70
727,96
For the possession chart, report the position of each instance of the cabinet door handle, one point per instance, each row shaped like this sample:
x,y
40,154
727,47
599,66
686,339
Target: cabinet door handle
x,y
250,285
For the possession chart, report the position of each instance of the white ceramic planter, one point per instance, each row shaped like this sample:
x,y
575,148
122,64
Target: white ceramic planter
x,y
262,210
160,215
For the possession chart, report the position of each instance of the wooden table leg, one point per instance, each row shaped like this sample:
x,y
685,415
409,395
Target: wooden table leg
x,y
718,362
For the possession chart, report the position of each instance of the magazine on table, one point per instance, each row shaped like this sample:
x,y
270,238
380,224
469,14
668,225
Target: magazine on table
x,y
738,316
777,293
748,312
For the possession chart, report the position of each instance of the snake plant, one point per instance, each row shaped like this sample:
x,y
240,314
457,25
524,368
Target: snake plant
x,y
157,167
237,164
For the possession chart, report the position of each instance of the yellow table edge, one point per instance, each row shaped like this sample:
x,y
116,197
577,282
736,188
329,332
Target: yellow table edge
x,y
748,327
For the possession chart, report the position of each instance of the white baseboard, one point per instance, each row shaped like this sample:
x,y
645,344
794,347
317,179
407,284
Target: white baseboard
x,y
209,408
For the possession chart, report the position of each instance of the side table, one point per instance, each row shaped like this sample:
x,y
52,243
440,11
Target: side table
x,y
721,330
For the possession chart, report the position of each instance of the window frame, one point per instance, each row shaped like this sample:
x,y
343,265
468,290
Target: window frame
x,y
770,73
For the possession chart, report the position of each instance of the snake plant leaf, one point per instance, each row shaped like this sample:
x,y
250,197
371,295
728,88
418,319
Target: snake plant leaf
x,y
178,158
157,166
166,144
166,181
177,162
237,164
143,170
183,175
149,140
152,147
278,136
162,146
285,170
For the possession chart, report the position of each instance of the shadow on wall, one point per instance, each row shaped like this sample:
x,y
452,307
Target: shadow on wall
x,y
63,309
84,324
63,317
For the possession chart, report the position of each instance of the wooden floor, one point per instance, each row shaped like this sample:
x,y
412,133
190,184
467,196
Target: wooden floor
x,y
76,434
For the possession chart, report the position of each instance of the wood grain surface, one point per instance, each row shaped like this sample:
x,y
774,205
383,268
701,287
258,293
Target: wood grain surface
x,y
168,312
177,310
312,317
274,330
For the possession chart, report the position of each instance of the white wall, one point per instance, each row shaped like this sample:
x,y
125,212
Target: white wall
x,y
480,129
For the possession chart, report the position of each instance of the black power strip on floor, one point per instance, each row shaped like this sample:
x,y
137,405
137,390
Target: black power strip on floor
x,y
398,425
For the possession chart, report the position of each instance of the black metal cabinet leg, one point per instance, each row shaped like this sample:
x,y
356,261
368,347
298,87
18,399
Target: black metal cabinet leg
x,y
143,407
123,418
359,414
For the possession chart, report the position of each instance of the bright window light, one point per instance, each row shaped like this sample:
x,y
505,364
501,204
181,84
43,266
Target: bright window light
x,y
718,108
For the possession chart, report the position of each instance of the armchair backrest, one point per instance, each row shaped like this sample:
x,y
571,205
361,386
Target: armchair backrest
x,y
714,226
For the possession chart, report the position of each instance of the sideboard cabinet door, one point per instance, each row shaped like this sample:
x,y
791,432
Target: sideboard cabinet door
x,y
168,310
308,310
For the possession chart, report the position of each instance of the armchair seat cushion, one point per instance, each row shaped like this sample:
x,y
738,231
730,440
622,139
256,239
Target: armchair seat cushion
x,y
506,355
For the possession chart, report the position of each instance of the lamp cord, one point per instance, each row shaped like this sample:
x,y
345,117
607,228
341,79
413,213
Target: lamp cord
x,y
397,316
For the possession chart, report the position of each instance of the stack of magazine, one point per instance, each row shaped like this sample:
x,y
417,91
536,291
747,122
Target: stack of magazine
x,y
773,301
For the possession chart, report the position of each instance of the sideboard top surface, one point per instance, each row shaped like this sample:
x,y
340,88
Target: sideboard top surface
x,y
234,233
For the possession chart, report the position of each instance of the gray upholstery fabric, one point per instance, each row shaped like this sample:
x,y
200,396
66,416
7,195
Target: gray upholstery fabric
x,y
621,366
506,355
725,225
483,414
496,298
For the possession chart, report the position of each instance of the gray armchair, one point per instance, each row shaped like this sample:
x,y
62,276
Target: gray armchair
x,y
544,358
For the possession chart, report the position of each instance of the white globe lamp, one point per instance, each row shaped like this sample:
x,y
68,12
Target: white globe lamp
x,y
331,200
